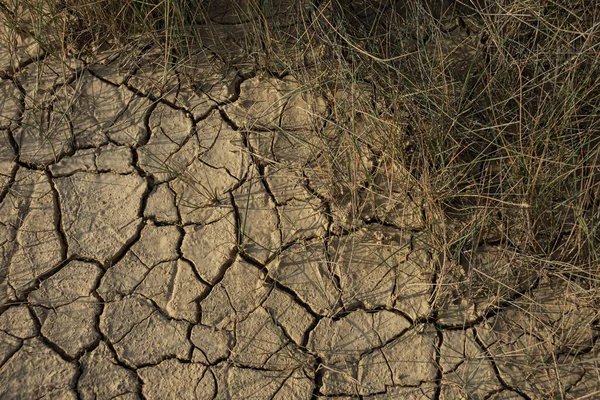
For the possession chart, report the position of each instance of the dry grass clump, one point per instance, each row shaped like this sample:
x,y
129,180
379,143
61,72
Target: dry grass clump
x,y
493,108
179,27
83,26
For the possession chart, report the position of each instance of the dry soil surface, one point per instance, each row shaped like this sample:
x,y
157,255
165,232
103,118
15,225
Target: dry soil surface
x,y
189,242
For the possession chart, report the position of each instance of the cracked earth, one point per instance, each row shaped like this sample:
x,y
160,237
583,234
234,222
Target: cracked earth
x,y
191,242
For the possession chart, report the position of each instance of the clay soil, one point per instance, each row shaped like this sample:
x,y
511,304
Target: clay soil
x,y
168,237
